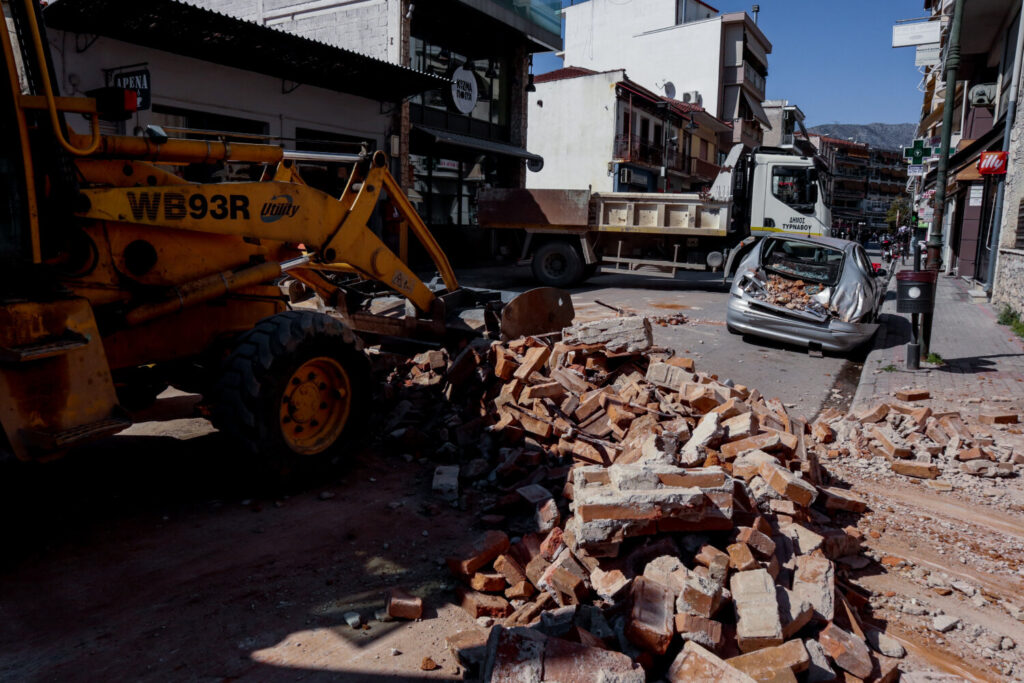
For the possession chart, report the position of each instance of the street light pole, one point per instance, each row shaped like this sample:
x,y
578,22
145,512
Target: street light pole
x,y
952,66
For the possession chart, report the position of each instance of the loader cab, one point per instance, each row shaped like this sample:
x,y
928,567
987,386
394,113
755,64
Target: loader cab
x,y
787,196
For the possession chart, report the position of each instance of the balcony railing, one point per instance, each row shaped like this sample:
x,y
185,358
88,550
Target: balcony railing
x,y
645,152
704,169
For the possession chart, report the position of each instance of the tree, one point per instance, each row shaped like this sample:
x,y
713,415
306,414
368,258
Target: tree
x,y
899,213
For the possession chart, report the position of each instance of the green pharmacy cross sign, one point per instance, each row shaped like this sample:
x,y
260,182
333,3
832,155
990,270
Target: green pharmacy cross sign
x,y
917,152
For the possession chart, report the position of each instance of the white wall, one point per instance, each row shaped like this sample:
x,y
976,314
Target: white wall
x,y
372,27
688,56
574,131
193,84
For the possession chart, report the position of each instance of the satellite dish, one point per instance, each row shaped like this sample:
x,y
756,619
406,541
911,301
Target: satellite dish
x,y
670,89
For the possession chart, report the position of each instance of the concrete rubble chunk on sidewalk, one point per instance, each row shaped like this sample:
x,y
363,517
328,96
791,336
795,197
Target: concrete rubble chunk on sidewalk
x,y
638,503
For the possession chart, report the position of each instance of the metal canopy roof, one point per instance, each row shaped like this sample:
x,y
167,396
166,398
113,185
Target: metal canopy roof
x,y
457,140
181,28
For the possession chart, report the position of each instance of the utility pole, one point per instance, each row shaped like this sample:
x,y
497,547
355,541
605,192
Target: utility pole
x,y
952,66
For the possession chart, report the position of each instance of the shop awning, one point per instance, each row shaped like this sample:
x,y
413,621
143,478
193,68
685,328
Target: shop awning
x,y
455,139
755,109
181,28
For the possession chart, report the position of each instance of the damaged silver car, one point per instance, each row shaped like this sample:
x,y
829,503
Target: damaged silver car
x,y
818,292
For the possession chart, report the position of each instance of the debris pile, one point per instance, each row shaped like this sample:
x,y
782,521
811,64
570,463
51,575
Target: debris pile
x,y
647,518
791,294
916,441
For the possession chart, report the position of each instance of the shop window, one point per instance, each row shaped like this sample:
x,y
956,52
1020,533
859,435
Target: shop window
x,y
492,76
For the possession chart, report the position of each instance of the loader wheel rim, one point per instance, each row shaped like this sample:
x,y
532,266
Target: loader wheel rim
x,y
315,405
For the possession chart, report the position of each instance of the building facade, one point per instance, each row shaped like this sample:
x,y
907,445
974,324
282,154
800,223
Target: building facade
x,y
981,96
786,120
604,132
717,61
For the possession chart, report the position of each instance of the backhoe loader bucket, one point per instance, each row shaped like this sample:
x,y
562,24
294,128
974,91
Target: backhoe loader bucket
x,y
538,311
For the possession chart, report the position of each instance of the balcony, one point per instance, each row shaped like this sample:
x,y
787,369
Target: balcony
x,y
632,149
704,170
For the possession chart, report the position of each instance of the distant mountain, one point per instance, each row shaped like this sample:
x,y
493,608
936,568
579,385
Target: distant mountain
x,y
878,135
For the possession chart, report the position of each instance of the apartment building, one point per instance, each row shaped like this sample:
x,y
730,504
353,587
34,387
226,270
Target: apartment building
x,y
605,132
717,61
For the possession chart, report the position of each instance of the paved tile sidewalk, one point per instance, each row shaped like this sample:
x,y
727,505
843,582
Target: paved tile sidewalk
x,y
982,358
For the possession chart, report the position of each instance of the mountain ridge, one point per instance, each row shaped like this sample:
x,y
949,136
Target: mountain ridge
x,y
878,135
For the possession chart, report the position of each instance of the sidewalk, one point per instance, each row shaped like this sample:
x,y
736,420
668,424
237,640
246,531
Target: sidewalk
x,y
983,360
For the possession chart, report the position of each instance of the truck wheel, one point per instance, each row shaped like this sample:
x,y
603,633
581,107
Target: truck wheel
x,y
293,390
557,264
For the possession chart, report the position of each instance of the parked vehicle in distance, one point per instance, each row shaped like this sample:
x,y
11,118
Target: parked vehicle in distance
x,y
819,292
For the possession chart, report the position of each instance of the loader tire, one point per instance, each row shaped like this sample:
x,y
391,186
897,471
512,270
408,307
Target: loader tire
x,y
557,264
293,391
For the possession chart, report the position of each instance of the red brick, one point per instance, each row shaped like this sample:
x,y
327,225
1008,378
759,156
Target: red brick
x,y
915,468
976,453
763,546
507,566
741,558
763,442
402,605
706,632
709,555
847,650
998,418
822,432
504,364
535,359
650,625
842,499
876,414
536,568
768,663
489,583
680,362
701,595
787,484
484,550
552,390
695,663
522,590
913,395
481,604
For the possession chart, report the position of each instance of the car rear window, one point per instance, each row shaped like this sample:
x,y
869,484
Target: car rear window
x,y
804,260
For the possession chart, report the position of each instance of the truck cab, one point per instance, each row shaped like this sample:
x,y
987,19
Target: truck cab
x,y
787,197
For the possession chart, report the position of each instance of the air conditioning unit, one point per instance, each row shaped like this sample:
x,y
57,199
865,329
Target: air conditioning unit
x,y
625,176
693,97
982,95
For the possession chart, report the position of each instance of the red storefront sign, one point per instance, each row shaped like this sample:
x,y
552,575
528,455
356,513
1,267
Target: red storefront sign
x,y
992,163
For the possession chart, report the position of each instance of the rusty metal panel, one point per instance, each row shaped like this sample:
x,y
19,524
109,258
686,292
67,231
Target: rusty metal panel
x,y
520,208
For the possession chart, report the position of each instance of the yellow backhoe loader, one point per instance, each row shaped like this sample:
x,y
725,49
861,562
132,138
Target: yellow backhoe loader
x,y
118,277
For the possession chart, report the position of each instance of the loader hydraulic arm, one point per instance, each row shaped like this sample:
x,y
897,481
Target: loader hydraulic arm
x,y
333,230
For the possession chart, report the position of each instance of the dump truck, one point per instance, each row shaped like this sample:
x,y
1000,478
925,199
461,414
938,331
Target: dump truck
x,y
569,235
118,277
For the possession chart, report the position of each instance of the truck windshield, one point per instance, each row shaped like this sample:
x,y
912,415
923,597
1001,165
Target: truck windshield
x,y
804,260
793,185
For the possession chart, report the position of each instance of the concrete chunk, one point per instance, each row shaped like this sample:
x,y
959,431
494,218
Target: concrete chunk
x,y
631,334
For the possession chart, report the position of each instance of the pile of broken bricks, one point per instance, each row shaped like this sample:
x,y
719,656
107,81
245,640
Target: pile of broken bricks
x,y
648,519
918,442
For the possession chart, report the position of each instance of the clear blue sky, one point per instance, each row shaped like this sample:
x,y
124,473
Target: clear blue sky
x,y
831,58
